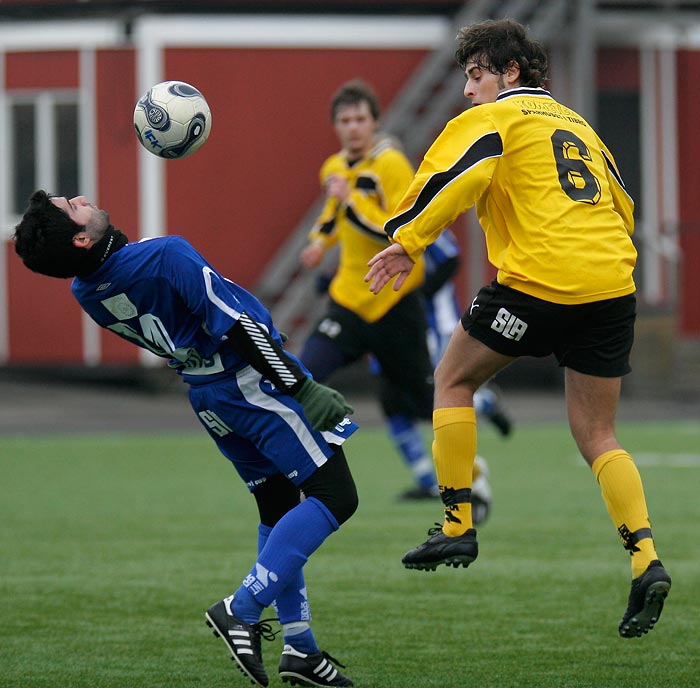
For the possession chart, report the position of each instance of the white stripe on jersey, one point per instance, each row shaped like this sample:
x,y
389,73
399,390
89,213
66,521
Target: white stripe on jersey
x,y
249,383
262,343
208,272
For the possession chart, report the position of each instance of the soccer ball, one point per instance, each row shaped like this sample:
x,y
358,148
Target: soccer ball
x,y
172,120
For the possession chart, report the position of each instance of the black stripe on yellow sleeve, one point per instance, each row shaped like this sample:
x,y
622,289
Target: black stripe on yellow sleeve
x,y
327,227
613,169
357,223
488,146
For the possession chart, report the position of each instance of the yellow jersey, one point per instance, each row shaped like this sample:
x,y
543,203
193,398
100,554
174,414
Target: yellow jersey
x,y
550,200
377,183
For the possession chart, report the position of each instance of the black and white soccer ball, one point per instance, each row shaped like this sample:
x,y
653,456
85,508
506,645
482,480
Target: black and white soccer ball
x,y
172,120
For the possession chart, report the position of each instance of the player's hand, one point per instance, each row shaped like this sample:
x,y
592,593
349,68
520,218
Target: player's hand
x,y
390,262
338,187
312,254
324,407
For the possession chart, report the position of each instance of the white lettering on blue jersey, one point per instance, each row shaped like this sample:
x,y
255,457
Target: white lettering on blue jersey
x,y
162,295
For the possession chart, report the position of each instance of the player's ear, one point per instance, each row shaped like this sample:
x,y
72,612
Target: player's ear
x,y
513,72
82,240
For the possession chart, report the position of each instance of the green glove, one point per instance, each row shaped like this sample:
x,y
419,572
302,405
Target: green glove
x,y
324,406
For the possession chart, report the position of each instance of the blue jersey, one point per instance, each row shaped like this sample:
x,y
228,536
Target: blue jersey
x,y
442,308
163,296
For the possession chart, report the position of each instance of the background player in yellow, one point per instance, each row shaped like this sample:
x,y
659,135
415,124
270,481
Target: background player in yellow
x,y
558,225
363,183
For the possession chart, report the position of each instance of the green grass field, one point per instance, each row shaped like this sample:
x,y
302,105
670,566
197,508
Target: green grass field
x,y
113,546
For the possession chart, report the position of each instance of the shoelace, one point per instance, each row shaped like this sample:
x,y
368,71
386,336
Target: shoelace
x,y
332,659
434,531
264,630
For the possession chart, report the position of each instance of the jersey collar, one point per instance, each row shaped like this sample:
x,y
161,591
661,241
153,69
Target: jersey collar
x,y
523,91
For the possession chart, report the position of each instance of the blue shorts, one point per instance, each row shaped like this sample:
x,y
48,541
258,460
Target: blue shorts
x,y
261,430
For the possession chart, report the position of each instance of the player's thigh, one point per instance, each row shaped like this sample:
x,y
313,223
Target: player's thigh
x,y
335,341
406,383
466,365
399,343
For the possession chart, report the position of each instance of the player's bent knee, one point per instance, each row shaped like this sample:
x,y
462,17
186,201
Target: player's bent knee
x,y
333,485
275,497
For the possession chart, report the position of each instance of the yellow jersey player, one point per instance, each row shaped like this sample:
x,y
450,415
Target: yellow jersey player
x,y
363,183
558,225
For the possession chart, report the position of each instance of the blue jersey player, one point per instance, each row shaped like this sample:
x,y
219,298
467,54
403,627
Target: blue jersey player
x,y
282,431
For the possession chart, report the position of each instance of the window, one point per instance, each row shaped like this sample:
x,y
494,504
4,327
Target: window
x,y
67,153
43,146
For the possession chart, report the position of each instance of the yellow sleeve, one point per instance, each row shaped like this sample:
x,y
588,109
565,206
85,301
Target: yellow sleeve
x,y
622,201
378,189
454,174
324,229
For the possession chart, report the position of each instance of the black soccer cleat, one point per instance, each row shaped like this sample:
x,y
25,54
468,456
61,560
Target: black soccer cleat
x,y
242,640
481,496
442,549
646,601
502,422
481,509
316,669
489,405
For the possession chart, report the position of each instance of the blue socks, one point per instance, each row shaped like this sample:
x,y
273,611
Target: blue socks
x,y
300,637
408,439
277,574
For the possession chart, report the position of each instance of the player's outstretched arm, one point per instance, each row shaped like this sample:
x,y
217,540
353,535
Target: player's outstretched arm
x,y
324,407
391,262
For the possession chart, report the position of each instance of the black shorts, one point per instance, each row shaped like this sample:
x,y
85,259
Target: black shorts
x,y
592,338
398,343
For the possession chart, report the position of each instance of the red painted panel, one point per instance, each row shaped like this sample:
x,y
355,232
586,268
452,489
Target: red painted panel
x,y
117,148
49,69
618,69
45,318
688,72
45,321
690,280
239,197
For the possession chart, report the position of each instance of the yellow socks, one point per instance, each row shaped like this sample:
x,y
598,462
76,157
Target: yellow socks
x,y
454,449
623,494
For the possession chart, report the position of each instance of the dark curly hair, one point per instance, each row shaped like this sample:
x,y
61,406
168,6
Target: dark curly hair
x,y
352,93
44,238
496,44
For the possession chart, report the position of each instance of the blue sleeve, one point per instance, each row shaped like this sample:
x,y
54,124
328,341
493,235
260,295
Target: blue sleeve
x,y
215,299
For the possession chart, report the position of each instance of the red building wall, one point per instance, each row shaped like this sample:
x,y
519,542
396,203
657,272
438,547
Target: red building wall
x,y
236,200
117,159
240,196
45,321
688,72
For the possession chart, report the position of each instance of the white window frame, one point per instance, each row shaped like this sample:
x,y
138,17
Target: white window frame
x,y
46,154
